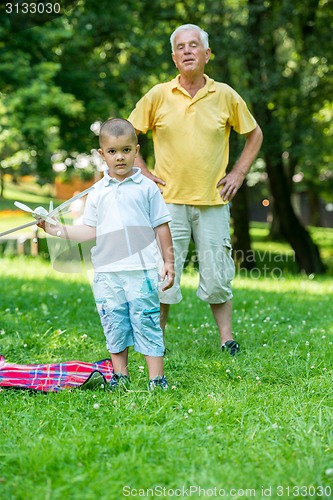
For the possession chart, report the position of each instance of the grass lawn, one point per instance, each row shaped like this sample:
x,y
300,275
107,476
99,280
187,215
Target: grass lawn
x,y
256,425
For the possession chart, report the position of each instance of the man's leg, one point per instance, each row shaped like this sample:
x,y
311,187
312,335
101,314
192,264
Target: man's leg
x,y
181,236
211,231
223,316
164,308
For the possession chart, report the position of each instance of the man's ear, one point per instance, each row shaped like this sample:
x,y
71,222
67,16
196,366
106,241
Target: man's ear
x,y
174,59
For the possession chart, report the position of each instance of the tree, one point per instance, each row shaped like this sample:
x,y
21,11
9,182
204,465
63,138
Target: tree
x,y
267,59
31,101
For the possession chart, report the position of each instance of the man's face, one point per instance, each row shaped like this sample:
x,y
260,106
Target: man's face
x,y
189,54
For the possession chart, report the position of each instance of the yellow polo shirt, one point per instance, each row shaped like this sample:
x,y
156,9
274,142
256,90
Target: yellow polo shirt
x,y
191,137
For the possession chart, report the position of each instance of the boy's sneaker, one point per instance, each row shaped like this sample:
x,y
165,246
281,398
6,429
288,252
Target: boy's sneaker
x,y
160,382
119,380
232,346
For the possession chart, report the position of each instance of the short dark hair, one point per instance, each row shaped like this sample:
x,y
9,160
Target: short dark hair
x,y
116,127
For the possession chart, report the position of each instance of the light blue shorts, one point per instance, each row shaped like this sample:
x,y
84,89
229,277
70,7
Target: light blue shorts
x,y
129,308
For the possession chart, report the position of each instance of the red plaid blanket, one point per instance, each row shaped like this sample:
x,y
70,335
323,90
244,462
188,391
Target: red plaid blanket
x,y
55,377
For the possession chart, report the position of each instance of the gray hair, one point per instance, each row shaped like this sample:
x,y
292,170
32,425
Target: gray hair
x,y
185,27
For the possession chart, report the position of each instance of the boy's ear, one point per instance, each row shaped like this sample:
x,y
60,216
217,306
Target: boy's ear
x,y
101,152
137,148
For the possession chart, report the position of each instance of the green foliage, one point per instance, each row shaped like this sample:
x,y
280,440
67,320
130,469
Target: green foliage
x,y
31,101
61,77
262,419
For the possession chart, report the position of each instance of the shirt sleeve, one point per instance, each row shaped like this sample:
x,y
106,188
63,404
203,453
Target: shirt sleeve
x,y
142,116
90,210
159,213
241,120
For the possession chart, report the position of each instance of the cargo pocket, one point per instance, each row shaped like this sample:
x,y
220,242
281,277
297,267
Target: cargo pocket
x,y
102,311
152,316
228,264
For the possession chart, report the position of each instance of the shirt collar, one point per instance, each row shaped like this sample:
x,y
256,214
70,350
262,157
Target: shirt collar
x,y
210,84
135,177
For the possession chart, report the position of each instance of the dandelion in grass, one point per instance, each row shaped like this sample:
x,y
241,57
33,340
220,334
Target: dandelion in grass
x,y
141,369
96,406
190,410
209,428
275,426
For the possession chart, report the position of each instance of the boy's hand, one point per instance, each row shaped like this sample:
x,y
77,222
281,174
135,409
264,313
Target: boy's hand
x,y
51,229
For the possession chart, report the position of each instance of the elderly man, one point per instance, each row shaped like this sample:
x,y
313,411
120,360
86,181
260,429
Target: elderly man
x,y
191,118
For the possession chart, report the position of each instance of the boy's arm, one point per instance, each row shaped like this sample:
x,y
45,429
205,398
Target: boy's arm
x,y
78,233
164,241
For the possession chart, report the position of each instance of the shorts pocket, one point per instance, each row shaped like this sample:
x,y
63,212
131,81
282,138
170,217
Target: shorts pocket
x,y
152,315
229,265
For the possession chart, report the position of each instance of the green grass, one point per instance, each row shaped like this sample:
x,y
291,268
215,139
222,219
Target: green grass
x,y
260,420
27,192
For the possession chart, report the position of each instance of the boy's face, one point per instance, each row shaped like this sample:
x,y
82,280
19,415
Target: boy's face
x,y
119,154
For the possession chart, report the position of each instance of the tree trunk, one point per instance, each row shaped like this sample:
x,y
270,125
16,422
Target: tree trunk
x,y
241,241
306,251
314,208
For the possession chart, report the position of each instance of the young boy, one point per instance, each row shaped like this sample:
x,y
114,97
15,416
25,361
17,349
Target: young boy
x,y
127,215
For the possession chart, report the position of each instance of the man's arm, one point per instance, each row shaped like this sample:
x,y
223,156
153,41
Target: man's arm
x,y
164,241
234,179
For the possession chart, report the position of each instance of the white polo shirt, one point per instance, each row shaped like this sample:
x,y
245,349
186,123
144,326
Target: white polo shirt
x,y
125,214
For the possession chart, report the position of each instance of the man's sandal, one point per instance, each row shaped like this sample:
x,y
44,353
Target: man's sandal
x,y
231,346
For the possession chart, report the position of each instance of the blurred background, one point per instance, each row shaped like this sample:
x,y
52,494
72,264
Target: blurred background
x,y
61,77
